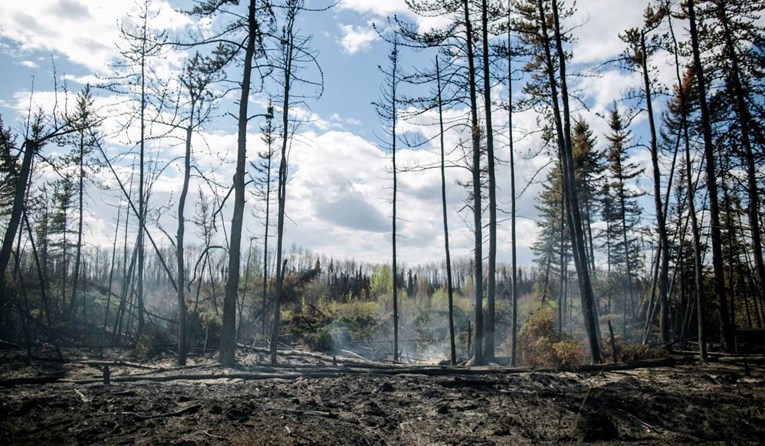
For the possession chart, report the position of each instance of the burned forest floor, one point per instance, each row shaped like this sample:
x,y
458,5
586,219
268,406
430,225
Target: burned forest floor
x,y
312,399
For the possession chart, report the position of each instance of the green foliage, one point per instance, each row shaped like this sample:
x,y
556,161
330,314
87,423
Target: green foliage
x,y
382,281
540,345
8,166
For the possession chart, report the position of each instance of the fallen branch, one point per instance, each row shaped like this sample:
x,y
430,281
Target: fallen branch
x,y
180,412
82,396
642,364
117,363
10,382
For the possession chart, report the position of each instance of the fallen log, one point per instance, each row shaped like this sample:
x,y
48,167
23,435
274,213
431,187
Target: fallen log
x,y
116,364
190,409
23,380
641,364
292,372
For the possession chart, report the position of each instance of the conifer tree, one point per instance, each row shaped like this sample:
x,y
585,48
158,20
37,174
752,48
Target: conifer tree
x,y
621,213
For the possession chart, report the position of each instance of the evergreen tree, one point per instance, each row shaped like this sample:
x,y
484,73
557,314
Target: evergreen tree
x,y
84,141
621,213
552,249
588,165
8,168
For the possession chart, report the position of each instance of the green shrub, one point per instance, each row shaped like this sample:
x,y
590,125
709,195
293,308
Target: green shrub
x,y
540,345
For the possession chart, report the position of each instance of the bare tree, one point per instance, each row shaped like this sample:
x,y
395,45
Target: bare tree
x,y
726,331
86,121
641,46
142,44
198,75
294,53
244,35
387,110
491,282
447,252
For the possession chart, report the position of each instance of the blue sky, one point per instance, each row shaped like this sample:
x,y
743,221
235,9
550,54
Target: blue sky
x,y
339,192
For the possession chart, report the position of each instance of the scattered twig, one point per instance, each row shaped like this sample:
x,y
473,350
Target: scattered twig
x,y
185,410
82,396
217,437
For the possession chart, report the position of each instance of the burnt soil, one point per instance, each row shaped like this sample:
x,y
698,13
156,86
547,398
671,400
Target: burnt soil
x,y
311,400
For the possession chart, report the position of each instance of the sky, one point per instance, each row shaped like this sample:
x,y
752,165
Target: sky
x,y
339,193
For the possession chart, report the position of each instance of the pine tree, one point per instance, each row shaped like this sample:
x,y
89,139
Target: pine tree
x,y
588,165
621,214
641,46
85,138
711,169
552,248
540,26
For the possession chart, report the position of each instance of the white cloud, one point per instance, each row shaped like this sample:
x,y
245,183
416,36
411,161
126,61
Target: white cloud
x,y
28,64
601,22
379,8
83,31
357,39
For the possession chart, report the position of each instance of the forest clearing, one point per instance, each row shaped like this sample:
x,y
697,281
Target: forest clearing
x,y
308,400
382,222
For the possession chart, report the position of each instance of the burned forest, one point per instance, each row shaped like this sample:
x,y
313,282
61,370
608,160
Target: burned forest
x,y
356,222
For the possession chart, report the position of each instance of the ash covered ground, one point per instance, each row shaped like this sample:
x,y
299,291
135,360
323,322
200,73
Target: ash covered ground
x,y
311,400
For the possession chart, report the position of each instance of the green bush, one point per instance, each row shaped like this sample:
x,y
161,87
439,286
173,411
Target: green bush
x,y
540,345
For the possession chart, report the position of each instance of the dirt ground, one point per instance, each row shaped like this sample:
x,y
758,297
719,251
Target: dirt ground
x,y
313,400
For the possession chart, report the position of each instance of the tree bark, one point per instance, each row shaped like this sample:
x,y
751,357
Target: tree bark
x,y
744,117
726,331
288,42
227,353
30,148
663,278
492,264
180,256
394,263
449,287
478,356
589,310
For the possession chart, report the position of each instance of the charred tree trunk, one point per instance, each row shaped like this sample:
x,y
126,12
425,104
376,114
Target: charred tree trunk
x,y
663,278
492,264
726,331
478,355
180,255
30,148
227,351
589,309
449,285
744,118
513,235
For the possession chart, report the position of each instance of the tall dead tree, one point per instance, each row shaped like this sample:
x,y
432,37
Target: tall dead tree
x,y
294,54
562,118
198,75
244,36
491,184
86,121
638,54
513,204
682,106
734,78
387,110
447,251
141,44
726,330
